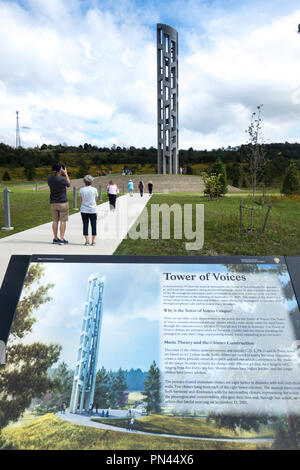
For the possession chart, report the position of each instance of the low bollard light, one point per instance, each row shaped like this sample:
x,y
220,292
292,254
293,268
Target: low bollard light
x,y
75,199
7,225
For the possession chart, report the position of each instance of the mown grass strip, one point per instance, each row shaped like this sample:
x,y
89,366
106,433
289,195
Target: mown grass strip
x,y
53,433
222,234
191,427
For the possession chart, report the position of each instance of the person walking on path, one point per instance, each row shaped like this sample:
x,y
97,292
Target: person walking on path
x,y
112,191
150,188
128,420
130,187
131,423
141,188
58,182
88,196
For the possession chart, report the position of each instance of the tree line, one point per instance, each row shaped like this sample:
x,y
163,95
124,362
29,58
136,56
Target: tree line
x,y
278,156
111,389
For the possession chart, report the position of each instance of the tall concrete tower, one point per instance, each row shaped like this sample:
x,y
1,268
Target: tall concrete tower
x,y
87,356
167,99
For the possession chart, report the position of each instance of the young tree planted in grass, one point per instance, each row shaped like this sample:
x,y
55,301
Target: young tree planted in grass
x,y
256,154
291,182
219,169
24,376
213,184
256,163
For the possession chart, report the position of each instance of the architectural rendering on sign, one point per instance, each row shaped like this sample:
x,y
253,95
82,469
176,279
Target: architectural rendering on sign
x,y
87,356
167,99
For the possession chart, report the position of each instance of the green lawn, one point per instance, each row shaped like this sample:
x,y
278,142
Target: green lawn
x,y
193,427
222,234
52,433
30,209
242,192
221,225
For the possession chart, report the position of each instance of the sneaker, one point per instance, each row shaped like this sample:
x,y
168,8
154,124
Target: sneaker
x,y
86,243
65,242
57,241
93,244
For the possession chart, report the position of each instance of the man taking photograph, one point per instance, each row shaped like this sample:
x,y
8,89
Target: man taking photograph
x,y
58,182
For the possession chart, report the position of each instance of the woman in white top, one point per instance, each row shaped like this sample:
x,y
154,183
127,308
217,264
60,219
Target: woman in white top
x,y
112,191
88,196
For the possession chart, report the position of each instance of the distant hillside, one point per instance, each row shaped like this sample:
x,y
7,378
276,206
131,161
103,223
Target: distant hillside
x,y
35,163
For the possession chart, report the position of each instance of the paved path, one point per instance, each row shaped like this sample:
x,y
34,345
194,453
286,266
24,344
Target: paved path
x,y
86,421
112,228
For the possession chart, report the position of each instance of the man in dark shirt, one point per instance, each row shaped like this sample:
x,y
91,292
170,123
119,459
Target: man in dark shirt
x,y
58,182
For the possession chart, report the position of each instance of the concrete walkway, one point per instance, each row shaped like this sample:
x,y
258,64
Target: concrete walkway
x,y
112,227
86,421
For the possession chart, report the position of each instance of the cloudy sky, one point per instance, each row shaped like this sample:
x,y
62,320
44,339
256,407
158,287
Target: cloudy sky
x,y
85,70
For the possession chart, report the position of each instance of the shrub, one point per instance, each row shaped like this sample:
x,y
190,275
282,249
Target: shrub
x,y
291,182
219,170
6,176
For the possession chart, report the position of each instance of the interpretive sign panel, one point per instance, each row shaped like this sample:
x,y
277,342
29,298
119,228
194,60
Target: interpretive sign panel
x,y
229,339
183,345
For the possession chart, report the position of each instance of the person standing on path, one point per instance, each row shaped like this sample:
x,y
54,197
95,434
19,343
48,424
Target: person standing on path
x,y
141,188
112,191
130,187
131,423
150,188
88,196
58,182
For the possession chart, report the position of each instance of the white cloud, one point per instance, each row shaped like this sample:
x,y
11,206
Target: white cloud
x,y
90,76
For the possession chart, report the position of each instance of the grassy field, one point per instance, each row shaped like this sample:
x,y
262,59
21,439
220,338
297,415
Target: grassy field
x,y
193,427
30,209
52,433
242,192
222,234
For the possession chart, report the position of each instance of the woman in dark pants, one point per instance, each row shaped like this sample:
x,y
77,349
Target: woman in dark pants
x,y
150,188
88,209
112,191
141,188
